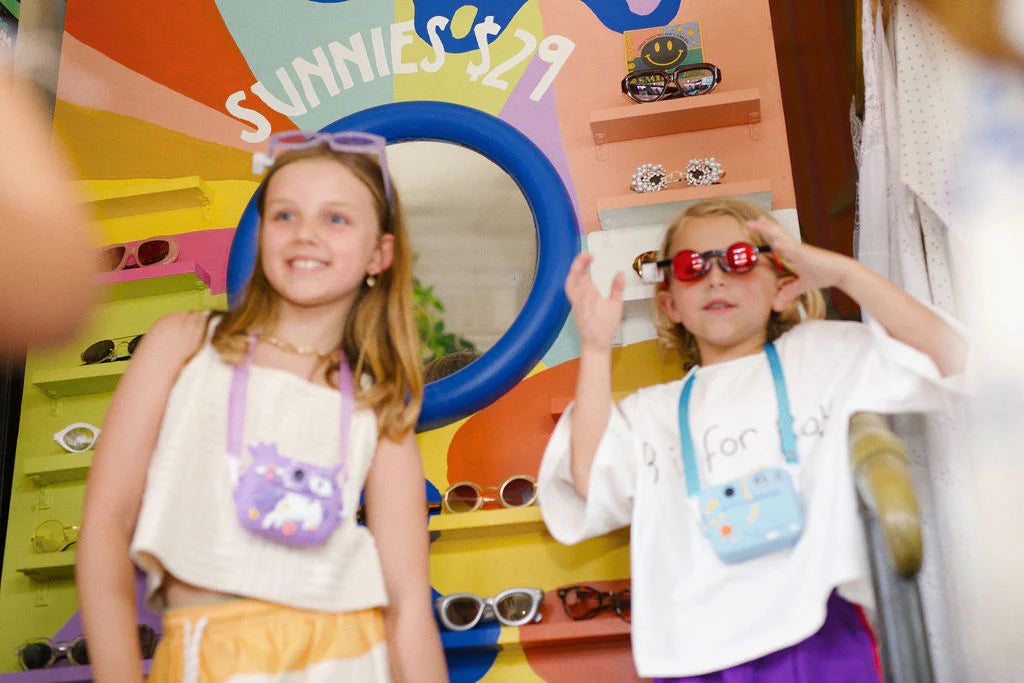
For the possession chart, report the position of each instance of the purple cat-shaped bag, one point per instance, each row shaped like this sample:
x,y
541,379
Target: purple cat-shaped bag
x,y
279,498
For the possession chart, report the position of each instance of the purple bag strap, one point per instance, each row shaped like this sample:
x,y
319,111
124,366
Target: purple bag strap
x,y
237,400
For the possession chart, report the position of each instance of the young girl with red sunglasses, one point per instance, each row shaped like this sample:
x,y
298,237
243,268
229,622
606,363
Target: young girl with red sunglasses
x,y
748,556
227,475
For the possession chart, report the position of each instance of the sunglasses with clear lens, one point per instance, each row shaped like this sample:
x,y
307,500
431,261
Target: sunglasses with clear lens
x,y
77,437
651,85
152,252
515,492
586,602
42,653
52,536
512,607
104,350
352,141
689,265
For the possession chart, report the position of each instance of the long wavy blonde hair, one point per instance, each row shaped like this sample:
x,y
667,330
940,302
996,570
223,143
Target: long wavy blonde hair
x,y
675,337
380,337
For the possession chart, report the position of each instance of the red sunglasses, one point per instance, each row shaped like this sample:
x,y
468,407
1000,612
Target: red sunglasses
x,y
689,265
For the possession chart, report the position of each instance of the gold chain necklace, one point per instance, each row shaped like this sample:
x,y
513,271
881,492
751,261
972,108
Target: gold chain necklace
x,y
301,350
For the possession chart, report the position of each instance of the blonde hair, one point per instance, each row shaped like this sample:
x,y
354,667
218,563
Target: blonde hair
x,y
674,336
380,337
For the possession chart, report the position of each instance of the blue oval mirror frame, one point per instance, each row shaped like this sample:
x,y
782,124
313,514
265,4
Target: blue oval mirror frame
x,y
541,319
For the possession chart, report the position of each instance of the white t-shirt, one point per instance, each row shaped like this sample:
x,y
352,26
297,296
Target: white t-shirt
x,y
693,613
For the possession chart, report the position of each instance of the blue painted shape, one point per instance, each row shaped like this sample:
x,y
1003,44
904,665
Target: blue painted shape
x,y
616,14
425,10
542,316
469,654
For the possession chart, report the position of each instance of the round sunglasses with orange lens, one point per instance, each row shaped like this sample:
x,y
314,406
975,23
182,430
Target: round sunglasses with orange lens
x,y
517,491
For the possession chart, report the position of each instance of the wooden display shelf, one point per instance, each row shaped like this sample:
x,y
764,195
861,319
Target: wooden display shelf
x,y
43,566
714,110
52,469
100,378
169,278
649,208
487,522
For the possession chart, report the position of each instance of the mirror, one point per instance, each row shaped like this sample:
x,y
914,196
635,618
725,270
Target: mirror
x,y
542,315
459,202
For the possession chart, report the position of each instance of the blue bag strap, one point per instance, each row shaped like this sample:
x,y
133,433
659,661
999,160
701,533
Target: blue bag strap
x,y
689,459
786,435
782,399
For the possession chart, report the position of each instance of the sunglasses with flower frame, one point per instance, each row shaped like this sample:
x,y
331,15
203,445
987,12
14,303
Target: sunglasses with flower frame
x,y
652,85
511,607
689,265
42,653
586,602
351,141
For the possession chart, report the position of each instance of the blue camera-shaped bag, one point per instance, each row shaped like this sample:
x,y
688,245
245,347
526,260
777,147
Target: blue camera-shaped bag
x,y
754,515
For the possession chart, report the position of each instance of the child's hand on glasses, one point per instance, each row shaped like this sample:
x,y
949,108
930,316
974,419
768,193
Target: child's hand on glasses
x,y
815,268
596,317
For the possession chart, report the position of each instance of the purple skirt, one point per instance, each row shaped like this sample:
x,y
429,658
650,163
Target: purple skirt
x,y
842,650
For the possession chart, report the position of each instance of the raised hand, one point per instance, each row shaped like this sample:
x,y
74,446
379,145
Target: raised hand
x,y
596,317
816,268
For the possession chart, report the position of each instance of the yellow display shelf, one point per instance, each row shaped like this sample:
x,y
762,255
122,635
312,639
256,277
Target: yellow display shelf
x,y
52,469
112,199
44,566
169,278
684,114
488,522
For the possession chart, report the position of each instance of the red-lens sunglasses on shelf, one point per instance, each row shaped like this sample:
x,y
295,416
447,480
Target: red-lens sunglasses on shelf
x,y
689,265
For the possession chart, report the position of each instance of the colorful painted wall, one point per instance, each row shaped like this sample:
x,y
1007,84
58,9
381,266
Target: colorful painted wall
x,y
161,106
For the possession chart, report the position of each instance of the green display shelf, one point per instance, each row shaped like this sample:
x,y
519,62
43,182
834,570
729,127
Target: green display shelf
x,y
170,278
53,469
77,381
46,566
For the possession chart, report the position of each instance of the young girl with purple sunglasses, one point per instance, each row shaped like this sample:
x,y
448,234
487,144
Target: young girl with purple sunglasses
x,y
236,446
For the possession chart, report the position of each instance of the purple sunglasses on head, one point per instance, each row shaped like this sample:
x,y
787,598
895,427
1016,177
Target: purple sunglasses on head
x,y
353,141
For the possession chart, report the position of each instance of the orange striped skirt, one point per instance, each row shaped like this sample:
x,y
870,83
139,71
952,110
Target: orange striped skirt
x,y
250,641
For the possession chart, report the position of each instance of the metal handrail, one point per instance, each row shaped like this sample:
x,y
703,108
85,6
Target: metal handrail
x,y
880,466
892,524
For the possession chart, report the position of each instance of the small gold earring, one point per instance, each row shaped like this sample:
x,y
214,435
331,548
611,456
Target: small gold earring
x,y
371,280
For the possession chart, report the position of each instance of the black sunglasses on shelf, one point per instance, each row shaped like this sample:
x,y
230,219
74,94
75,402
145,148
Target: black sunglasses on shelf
x,y
652,85
104,350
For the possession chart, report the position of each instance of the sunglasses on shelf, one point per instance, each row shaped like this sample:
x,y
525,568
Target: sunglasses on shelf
x,y
104,351
42,653
351,141
77,437
152,252
517,491
511,607
689,265
652,85
586,602
52,536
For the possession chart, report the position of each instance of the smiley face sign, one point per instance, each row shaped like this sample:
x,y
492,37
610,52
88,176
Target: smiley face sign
x,y
662,52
